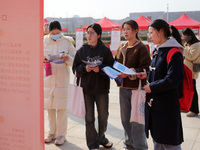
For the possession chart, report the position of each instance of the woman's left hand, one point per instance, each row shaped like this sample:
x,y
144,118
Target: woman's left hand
x,y
147,88
65,58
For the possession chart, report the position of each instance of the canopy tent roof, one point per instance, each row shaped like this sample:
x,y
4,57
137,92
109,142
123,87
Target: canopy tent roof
x,y
63,29
45,21
143,22
185,22
106,25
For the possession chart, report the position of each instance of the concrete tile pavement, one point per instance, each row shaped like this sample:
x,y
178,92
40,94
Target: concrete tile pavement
x,y
76,128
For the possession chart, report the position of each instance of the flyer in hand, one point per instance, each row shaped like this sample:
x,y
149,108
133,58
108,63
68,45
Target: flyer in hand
x,y
56,58
113,74
94,61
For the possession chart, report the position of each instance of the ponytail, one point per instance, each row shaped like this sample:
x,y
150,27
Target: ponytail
x,y
175,33
137,37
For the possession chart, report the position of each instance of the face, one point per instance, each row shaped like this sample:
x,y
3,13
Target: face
x,y
46,29
128,32
92,37
55,32
154,35
186,38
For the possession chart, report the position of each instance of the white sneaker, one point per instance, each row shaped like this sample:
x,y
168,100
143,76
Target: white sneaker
x,y
60,140
49,138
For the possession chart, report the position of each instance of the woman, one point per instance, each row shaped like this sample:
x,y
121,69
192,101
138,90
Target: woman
x,y
162,109
192,55
46,28
55,85
96,85
134,55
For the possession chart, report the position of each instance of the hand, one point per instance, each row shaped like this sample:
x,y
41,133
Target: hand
x,y
142,75
95,69
88,69
147,88
123,75
65,58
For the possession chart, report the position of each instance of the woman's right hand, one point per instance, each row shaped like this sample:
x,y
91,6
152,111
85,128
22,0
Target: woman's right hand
x,y
123,75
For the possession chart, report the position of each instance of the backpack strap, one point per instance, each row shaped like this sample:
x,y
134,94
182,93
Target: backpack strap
x,y
171,53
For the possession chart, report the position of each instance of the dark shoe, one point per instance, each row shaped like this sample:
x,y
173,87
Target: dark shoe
x,y
108,145
191,114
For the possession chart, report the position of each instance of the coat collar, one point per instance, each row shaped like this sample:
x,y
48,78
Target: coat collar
x,y
124,50
171,43
48,40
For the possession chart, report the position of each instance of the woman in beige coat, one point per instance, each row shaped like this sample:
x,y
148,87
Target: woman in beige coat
x,y
56,85
192,56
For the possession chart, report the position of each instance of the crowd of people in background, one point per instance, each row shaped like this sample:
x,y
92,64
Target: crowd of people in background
x,y
160,80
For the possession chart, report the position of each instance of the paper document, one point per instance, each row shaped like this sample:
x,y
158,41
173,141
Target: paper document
x,y
123,68
93,63
113,74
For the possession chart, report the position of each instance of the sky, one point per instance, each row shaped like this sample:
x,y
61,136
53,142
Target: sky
x,y
114,9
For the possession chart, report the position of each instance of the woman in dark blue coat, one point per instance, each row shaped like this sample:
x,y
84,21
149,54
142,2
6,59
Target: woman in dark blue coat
x,y
162,108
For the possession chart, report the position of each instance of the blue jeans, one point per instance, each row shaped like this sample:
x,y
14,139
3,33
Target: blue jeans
x,y
94,138
135,138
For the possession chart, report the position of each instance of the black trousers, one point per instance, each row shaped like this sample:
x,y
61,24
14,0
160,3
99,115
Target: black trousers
x,y
195,106
96,137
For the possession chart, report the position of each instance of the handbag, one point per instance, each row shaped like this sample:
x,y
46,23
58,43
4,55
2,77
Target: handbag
x,y
76,103
196,67
137,105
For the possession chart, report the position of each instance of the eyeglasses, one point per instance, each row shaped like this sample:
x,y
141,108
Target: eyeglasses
x,y
90,33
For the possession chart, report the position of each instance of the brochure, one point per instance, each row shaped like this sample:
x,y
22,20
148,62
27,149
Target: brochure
x,y
123,68
93,64
56,58
113,74
93,61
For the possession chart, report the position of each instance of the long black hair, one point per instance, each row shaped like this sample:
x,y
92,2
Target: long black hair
x,y
97,28
189,32
169,30
133,25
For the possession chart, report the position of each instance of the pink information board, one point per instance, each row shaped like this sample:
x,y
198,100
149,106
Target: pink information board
x,y
21,75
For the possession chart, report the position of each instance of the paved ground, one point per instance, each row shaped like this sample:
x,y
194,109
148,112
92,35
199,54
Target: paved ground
x,y
76,129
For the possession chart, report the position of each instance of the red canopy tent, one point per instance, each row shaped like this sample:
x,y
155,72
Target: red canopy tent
x,y
45,21
106,25
143,22
185,22
63,29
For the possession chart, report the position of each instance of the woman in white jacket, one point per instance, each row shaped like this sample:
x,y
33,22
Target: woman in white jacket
x,y
56,85
192,56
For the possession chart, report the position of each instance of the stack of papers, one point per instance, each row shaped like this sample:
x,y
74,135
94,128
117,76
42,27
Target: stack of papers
x,y
56,58
93,64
